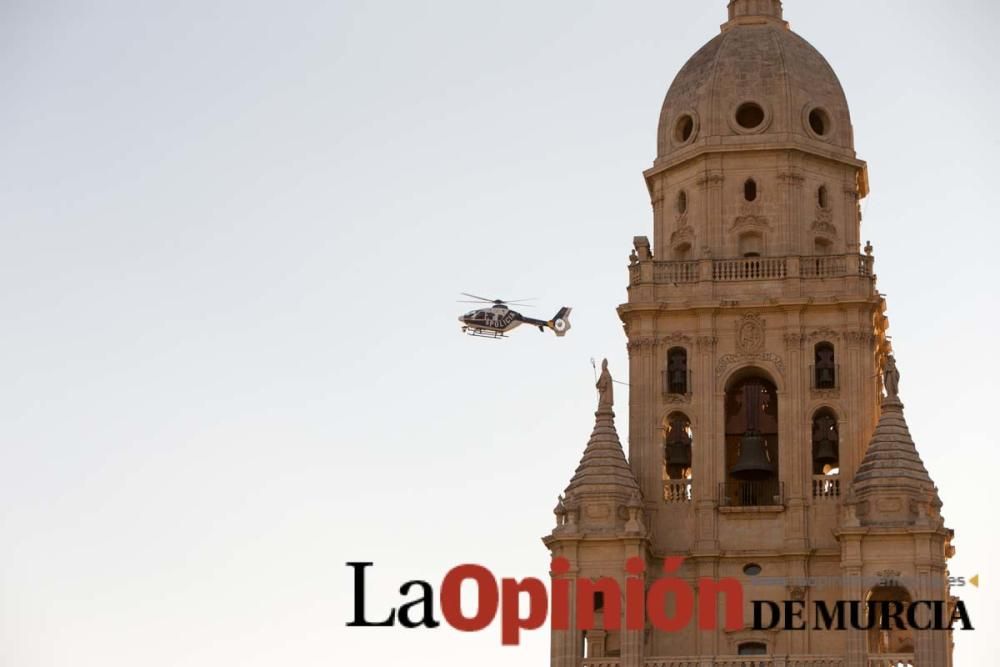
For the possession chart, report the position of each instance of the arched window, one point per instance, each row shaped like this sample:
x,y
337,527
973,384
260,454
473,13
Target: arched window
x,y
682,202
752,442
823,197
825,447
675,374
677,446
751,244
750,190
825,369
752,648
882,602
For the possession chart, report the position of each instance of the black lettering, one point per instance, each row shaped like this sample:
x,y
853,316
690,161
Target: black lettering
x,y
913,619
856,621
960,613
359,600
773,608
895,615
825,618
793,612
425,601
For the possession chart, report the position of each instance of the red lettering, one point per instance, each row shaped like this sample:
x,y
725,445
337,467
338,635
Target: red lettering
x,y
560,594
708,612
683,600
538,608
451,598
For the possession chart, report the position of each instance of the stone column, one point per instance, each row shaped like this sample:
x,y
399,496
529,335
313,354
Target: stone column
x,y
853,589
567,645
708,444
790,185
796,467
713,224
633,645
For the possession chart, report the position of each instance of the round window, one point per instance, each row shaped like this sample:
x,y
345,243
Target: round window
x,y
750,115
752,569
684,129
819,122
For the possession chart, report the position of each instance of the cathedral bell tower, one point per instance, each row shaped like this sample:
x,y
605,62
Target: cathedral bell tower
x,y
762,441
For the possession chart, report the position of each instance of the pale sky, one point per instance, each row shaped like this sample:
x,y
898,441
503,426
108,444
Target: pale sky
x,y
232,237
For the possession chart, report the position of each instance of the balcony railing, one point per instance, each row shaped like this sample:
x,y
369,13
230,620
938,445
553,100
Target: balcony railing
x,y
750,268
675,272
826,486
677,491
766,493
755,268
900,660
895,660
747,661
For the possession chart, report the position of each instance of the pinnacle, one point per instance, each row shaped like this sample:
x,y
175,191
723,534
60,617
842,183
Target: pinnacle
x,y
892,458
603,468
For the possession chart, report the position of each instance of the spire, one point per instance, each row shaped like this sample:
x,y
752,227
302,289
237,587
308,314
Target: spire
x,y
892,459
742,8
754,12
891,486
604,468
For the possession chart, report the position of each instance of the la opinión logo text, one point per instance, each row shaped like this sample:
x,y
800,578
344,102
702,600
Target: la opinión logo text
x,y
639,604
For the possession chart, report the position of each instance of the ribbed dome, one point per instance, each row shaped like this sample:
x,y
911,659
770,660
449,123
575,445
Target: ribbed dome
x,y
761,73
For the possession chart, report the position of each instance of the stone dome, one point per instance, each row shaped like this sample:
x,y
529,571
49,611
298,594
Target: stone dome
x,y
757,83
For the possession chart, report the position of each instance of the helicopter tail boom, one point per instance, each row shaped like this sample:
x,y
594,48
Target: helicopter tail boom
x,y
560,323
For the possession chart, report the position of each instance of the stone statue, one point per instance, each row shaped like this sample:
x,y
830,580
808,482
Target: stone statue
x,y
605,388
890,378
633,259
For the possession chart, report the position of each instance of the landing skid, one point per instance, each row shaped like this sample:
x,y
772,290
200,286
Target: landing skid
x,y
483,333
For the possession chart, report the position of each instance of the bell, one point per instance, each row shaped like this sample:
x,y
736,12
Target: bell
x,y
753,465
826,452
678,451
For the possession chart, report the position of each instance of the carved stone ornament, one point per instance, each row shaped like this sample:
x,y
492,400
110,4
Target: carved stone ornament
x,y
796,592
685,234
675,337
825,394
750,334
791,178
643,344
825,333
794,341
727,360
707,342
713,179
825,228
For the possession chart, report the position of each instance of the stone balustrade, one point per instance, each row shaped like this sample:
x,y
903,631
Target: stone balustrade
x,y
677,490
826,487
893,660
745,269
747,661
901,660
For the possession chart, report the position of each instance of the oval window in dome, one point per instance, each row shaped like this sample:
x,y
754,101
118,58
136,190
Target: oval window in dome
x,y
684,129
750,115
819,122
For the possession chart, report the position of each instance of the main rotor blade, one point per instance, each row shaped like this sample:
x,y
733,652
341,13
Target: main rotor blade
x,y
473,296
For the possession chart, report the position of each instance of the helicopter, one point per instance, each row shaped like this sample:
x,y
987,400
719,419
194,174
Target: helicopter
x,y
497,319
